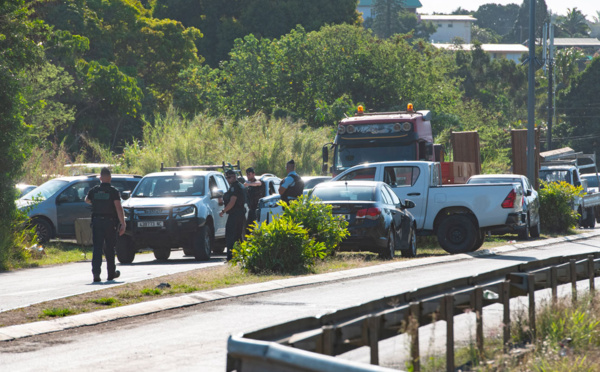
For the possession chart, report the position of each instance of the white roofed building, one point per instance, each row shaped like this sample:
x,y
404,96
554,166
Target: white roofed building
x,y
512,52
450,27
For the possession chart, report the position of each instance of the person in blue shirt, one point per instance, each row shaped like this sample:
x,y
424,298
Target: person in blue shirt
x,y
292,186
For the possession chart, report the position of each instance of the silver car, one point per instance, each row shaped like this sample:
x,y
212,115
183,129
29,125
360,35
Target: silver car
x,y
54,206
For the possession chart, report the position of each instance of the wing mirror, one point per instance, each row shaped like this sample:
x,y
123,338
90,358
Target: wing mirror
x,y
409,204
126,194
216,193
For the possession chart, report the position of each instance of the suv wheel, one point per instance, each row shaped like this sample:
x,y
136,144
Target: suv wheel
x,y
125,249
162,254
202,243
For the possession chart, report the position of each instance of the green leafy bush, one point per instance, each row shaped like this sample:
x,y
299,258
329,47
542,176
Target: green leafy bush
x,y
318,220
556,206
282,246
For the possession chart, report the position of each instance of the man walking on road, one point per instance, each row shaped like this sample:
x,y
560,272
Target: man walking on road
x,y
108,221
256,190
292,186
234,199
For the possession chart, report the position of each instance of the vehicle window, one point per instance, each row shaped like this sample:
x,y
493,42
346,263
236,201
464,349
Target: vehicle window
x,y
221,183
395,199
46,190
385,195
555,175
165,186
77,192
401,176
274,187
526,183
123,185
363,174
366,193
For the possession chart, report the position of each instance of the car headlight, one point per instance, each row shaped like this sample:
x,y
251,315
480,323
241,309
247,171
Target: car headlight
x,y
187,211
127,213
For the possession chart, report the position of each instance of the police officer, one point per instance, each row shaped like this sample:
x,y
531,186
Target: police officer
x,y
234,200
292,186
255,190
108,220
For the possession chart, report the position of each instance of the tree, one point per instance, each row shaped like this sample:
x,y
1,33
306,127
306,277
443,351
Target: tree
x,y
386,21
484,35
497,17
573,24
520,30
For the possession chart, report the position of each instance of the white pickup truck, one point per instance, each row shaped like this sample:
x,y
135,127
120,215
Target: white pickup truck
x,y
459,215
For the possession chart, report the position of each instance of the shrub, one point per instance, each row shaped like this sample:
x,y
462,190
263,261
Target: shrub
x,y
282,246
556,206
318,220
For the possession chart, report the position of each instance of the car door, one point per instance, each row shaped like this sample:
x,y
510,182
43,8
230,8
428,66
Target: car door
x,y
393,210
533,202
71,205
407,182
405,218
217,181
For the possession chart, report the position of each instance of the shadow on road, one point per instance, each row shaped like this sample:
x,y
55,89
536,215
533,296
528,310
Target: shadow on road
x,y
177,261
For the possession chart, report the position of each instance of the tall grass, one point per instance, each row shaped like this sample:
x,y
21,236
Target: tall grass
x,y
258,141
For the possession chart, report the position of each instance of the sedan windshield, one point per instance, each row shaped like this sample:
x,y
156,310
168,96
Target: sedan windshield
x,y
346,192
167,186
45,190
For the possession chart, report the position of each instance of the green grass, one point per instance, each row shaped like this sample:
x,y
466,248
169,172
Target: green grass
x,y
57,312
151,292
109,301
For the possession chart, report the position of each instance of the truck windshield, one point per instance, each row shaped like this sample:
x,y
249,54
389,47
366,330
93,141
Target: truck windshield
x,y
555,175
347,156
168,186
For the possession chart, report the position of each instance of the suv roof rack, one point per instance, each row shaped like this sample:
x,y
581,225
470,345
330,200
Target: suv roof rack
x,y
224,166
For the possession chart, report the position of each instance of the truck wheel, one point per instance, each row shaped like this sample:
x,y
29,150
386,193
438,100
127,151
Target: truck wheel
x,y
162,254
188,250
43,230
524,232
590,219
125,249
389,251
479,241
411,250
202,242
536,230
219,247
457,234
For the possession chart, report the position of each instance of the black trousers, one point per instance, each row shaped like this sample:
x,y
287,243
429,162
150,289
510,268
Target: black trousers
x,y
234,229
251,218
104,235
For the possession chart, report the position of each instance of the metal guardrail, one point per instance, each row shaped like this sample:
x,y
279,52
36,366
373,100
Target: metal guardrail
x,y
311,344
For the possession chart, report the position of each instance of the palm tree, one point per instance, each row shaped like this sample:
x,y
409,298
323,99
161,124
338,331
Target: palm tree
x,y
574,23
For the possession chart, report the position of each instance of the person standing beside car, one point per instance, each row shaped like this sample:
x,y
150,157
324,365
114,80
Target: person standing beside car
x,y
108,221
292,186
256,190
234,200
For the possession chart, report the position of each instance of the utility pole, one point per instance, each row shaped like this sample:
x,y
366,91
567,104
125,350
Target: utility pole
x,y
531,98
550,63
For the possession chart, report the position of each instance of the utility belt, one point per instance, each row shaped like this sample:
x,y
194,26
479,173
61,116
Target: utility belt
x,y
105,218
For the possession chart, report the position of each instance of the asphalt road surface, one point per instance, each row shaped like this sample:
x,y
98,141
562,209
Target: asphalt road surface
x,y
25,287
195,338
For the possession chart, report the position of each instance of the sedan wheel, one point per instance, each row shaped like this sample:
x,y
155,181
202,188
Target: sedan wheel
x,y
411,250
43,230
390,251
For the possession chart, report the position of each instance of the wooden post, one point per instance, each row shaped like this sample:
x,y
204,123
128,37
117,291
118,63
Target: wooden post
x,y
449,315
413,328
573,273
506,314
531,292
554,284
373,334
591,274
478,307
327,341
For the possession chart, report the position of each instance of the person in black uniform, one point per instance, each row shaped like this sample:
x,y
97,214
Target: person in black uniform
x,y
255,190
108,220
292,186
234,200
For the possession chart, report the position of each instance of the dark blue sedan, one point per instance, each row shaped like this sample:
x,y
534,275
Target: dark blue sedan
x,y
377,220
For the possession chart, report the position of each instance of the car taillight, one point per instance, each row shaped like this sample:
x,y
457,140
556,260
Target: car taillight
x,y
509,201
370,213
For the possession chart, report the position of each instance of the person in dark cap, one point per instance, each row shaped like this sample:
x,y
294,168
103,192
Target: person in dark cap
x,y
234,200
108,222
255,190
292,186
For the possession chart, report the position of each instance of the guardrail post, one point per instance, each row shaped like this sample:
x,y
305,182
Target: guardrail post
x,y
506,314
326,341
478,305
531,292
373,323
591,274
554,284
573,273
413,329
449,316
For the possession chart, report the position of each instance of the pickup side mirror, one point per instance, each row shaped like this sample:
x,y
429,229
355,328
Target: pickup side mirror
x,y
216,193
409,204
528,192
63,198
126,194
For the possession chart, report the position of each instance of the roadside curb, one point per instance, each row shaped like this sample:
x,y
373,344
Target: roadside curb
x,y
144,308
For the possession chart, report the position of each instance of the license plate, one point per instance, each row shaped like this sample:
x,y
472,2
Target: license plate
x,y
344,216
150,224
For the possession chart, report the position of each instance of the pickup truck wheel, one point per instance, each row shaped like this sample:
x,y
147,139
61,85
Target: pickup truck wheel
x,y
202,242
125,249
162,254
219,247
188,250
43,230
457,234
590,219
479,241
411,250
524,232
389,251
536,230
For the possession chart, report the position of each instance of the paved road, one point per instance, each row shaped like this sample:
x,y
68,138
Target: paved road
x,y
194,338
25,287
